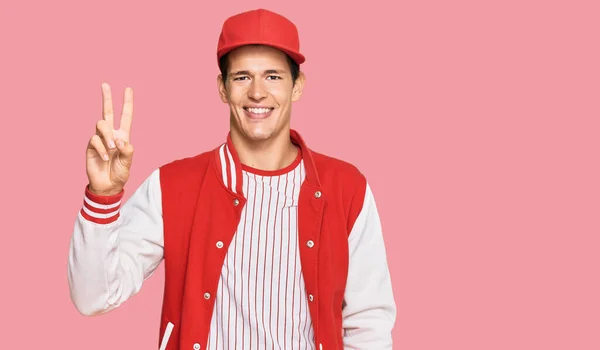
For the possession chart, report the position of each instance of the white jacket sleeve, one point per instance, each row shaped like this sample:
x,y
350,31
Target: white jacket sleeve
x,y
369,313
115,248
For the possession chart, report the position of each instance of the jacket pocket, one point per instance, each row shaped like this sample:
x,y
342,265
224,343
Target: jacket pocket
x,y
166,336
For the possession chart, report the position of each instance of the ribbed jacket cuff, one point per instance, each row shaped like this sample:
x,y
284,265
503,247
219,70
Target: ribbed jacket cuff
x,y
101,209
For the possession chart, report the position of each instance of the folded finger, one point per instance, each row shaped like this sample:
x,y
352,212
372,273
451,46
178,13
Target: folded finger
x,y
105,131
97,144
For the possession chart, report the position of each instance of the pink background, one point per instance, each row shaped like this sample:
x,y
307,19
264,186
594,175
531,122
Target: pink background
x,y
476,123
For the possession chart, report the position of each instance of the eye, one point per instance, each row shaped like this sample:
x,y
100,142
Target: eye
x,y
275,77
239,78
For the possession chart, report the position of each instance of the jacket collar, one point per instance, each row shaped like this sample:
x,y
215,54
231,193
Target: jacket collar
x,y
229,168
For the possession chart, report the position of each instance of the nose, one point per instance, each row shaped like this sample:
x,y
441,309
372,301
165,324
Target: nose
x,y
257,91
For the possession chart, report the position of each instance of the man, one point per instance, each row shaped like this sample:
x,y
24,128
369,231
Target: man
x,y
267,244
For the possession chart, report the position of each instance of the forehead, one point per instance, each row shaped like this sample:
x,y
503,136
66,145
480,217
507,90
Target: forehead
x,y
257,57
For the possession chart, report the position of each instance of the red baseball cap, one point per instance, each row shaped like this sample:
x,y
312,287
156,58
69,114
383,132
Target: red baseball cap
x,y
260,26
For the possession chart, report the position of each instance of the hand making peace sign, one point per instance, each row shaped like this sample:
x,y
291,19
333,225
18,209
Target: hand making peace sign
x,y
109,153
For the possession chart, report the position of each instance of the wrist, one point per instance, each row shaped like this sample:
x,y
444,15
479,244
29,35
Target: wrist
x,y
106,193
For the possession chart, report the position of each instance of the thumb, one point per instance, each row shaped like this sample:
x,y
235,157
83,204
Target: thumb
x,y
125,149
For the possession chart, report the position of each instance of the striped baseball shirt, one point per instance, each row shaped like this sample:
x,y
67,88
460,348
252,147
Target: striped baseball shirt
x,y
261,301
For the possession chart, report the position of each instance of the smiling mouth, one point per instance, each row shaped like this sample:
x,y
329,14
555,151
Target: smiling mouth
x,y
258,113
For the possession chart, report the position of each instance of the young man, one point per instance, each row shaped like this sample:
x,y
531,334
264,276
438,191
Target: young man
x,y
266,243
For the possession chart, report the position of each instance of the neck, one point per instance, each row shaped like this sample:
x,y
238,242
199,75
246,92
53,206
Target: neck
x,y
274,153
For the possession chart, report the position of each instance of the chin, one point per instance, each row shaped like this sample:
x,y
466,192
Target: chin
x,y
259,134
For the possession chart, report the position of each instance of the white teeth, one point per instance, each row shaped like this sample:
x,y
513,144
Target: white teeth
x,y
259,110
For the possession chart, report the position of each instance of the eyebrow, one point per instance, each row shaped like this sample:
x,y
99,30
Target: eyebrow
x,y
268,71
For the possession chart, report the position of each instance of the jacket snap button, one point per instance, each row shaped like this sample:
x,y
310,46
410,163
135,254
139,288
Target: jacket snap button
x,y
219,244
310,244
236,202
320,346
196,346
318,194
206,295
310,297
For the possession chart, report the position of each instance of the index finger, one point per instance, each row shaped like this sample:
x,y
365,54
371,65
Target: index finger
x,y
107,105
127,115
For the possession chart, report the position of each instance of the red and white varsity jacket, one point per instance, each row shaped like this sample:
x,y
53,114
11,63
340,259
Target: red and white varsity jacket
x,y
186,213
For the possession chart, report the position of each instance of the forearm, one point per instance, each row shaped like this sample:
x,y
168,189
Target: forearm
x,y
94,262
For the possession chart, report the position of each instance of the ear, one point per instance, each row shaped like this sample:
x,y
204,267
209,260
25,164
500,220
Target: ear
x,y
222,88
298,87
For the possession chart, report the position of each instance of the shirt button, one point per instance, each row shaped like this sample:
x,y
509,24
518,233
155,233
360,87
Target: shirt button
x,y
206,295
236,202
219,244
196,346
318,194
310,244
310,297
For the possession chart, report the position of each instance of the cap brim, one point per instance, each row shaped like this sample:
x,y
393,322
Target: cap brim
x,y
296,56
